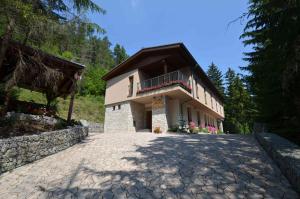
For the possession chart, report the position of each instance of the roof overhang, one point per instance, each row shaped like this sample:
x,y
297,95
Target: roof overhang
x,y
155,51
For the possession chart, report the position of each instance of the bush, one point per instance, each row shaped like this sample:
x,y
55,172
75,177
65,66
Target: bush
x,y
157,130
192,127
174,129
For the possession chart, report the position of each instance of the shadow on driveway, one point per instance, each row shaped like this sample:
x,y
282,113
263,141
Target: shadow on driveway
x,y
185,166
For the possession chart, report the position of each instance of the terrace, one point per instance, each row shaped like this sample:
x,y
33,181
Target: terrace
x,y
162,81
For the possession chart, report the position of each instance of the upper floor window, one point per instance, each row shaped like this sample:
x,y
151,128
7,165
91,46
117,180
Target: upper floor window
x,y
130,87
205,98
212,104
197,92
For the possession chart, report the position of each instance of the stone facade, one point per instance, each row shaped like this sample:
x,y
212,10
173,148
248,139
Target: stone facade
x,y
285,154
17,151
159,116
116,119
136,117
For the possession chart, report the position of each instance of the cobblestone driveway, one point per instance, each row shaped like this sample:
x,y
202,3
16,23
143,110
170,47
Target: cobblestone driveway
x,y
146,165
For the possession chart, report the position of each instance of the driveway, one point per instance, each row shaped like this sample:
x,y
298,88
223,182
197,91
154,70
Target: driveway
x,y
145,165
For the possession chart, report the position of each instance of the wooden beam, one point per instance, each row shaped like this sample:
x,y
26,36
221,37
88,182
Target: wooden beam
x,y
165,67
71,107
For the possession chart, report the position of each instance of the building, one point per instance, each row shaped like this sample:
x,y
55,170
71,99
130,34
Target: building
x,y
163,87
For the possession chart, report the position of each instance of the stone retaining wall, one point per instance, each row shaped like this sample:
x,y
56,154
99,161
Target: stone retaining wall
x,y
18,151
285,154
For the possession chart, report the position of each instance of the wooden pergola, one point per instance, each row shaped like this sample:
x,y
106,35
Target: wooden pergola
x,y
36,70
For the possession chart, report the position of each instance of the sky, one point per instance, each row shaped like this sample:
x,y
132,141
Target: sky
x,y
203,26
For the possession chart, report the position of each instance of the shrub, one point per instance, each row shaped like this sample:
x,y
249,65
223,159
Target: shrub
x,y
174,129
192,127
157,130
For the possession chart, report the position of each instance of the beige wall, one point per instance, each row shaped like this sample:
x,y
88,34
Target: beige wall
x,y
117,89
173,112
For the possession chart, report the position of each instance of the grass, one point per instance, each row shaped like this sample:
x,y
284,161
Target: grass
x,y
90,108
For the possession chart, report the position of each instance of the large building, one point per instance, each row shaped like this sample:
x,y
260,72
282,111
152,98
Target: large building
x,y
163,87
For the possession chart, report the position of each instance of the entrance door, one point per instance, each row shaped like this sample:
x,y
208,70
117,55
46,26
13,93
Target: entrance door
x,y
149,120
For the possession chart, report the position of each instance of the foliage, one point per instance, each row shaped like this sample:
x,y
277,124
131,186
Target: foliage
x,y
192,127
157,130
215,75
90,108
238,105
274,78
119,54
174,129
92,84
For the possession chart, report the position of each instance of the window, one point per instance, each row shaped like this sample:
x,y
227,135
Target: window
x,y
198,118
189,114
216,105
197,93
119,106
205,96
130,87
212,104
114,108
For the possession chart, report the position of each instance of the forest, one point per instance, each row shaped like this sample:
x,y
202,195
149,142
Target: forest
x,y
266,92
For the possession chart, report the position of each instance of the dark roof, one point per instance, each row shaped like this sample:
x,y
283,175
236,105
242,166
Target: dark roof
x,y
67,68
121,68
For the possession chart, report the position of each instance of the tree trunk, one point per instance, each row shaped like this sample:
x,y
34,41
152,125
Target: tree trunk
x,y
71,107
5,40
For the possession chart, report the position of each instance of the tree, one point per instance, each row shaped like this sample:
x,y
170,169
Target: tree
x,y
215,75
92,84
22,18
237,105
119,54
274,77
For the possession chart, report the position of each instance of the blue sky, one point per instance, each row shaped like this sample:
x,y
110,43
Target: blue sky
x,y
201,25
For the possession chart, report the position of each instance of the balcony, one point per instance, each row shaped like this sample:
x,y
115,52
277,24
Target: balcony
x,y
166,80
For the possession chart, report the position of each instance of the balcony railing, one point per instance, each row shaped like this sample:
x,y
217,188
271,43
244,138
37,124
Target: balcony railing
x,y
168,79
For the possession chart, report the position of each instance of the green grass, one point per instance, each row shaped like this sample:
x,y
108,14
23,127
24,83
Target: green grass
x,y
89,108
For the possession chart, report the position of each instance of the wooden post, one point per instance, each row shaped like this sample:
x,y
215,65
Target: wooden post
x,y
71,106
165,67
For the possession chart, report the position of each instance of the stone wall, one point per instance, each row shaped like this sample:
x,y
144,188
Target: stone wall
x,y
18,151
96,127
116,120
41,119
136,116
159,116
284,153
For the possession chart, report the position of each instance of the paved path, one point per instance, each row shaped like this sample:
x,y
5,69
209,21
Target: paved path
x,y
146,165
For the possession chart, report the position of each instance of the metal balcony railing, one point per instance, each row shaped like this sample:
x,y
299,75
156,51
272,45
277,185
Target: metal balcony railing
x,y
172,78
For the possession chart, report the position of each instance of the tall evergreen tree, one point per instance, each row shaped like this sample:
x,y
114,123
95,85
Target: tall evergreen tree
x,y
274,32
119,54
237,105
215,75
32,20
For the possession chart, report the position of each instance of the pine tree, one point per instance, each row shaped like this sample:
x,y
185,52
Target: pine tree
x,y
237,105
215,75
119,54
273,30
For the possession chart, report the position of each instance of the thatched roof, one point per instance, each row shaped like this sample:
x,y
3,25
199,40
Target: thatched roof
x,y
36,70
